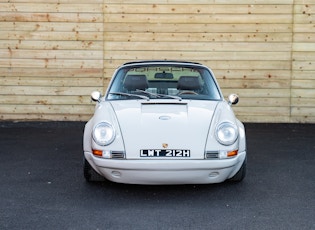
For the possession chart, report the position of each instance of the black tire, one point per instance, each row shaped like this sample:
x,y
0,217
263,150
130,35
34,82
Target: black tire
x,y
240,175
90,174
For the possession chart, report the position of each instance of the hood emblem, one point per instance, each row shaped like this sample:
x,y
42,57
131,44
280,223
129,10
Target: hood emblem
x,y
164,118
165,145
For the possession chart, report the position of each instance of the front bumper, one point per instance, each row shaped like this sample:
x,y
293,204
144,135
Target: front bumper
x,y
154,171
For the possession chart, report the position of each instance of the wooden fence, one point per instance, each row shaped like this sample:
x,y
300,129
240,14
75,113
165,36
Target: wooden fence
x,y
53,53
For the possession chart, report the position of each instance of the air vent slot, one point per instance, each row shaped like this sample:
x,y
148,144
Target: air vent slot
x,y
212,155
118,155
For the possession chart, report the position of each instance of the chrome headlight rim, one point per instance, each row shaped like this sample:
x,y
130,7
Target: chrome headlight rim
x,y
226,133
109,136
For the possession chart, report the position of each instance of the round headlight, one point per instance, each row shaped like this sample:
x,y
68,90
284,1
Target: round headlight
x,y
226,133
103,133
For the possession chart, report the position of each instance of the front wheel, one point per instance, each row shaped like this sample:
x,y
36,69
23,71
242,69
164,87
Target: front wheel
x,y
90,174
240,175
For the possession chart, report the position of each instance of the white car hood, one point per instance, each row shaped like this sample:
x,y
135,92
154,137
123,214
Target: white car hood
x,y
164,124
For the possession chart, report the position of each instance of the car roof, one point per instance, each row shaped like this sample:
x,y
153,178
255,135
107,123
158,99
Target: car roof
x,y
162,62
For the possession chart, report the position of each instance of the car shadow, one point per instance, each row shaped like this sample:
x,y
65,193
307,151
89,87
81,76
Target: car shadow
x,y
167,193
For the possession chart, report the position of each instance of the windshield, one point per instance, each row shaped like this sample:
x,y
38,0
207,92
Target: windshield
x,y
164,82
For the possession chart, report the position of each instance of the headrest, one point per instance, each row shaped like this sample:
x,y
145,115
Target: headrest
x,y
188,83
134,82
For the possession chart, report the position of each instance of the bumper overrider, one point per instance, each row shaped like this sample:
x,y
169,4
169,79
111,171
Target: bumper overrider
x,y
173,171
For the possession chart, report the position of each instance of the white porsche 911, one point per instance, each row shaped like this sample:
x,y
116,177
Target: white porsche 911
x,y
164,122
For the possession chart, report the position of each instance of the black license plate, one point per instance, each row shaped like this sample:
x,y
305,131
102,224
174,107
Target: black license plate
x,y
164,153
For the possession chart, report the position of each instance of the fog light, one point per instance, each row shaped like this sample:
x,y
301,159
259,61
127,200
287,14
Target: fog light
x,y
222,154
116,174
213,174
107,154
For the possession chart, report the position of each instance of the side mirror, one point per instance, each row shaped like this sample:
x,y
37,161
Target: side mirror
x,y
96,96
233,99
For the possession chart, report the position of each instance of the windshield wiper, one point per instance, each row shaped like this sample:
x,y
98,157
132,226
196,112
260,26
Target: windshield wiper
x,y
159,95
130,95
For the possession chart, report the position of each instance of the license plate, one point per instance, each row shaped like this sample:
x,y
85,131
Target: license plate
x,y
164,153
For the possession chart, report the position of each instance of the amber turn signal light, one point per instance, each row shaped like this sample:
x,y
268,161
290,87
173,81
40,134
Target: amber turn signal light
x,y
97,152
232,153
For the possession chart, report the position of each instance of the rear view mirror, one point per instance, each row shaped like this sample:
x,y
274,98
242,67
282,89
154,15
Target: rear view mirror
x,y
96,96
233,99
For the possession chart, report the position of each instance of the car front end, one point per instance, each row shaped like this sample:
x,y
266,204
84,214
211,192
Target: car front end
x,y
144,135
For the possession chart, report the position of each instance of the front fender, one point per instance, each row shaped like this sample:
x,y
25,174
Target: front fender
x,y
242,136
87,136
103,112
223,113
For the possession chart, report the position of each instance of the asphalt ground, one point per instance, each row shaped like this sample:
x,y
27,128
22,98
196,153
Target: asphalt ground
x,y
42,185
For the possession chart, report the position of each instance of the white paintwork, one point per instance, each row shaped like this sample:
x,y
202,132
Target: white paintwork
x,y
186,124
186,128
167,171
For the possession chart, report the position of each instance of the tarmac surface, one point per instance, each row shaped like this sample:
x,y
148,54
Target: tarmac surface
x,y
42,185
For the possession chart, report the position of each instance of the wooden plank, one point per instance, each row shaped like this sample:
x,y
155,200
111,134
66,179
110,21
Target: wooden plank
x,y
262,111
52,26
254,84
260,101
199,46
50,81
303,75
304,18
198,19
45,117
197,9
258,93
303,28
45,100
303,56
303,102
303,84
197,37
300,119
54,1
253,74
303,46
51,45
48,36
48,90
304,65
308,2
206,2
51,7
52,73
46,109
50,63
303,93
263,119
303,111
51,54
198,55
307,38
50,17
199,28
304,8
